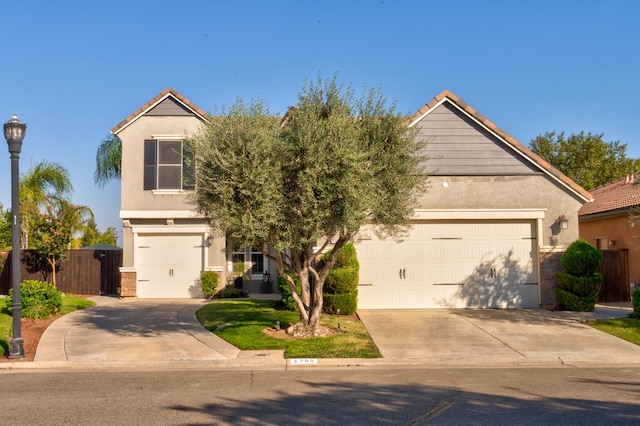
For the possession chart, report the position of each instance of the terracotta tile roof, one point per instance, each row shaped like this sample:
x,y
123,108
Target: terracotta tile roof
x,y
621,194
517,146
156,100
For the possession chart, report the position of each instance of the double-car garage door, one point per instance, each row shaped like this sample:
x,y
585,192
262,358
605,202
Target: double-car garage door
x,y
455,264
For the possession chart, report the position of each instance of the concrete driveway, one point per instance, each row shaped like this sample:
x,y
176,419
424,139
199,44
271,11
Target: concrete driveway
x,y
492,336
161,332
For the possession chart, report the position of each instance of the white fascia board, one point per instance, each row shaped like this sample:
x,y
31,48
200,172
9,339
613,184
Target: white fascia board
x,y
159,214
477,214
172,137
178,229
429,111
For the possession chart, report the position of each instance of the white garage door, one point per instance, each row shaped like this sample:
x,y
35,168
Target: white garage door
x,y
168,265
487,264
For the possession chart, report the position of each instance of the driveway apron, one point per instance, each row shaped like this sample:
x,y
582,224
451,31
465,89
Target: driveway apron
x,y
492,336
132,330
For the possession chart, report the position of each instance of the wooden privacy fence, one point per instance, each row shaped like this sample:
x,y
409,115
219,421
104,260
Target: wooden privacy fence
x,y
615,276
91,272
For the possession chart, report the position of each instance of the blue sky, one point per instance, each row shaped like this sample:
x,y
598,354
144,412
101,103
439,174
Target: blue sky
x,y
72,70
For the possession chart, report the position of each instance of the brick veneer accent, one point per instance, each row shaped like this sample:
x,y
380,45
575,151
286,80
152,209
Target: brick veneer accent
x,y
128,281
549,265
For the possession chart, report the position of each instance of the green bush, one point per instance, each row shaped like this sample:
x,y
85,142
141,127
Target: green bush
x,y
580,286
287,301
581,259
343,280
575,303
39,299
209,283
344,303
340,291
635,298
232,293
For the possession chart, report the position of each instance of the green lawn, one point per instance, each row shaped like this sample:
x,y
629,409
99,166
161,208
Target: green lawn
x,y
624,328
69,304
241,323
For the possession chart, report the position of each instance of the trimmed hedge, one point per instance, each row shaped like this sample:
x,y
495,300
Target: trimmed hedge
x,y
581,259
580,286
575,303
39,299
209,283
340,291
343,304
342,280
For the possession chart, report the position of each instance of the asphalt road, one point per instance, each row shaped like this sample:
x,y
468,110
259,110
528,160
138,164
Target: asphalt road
x,y
312,395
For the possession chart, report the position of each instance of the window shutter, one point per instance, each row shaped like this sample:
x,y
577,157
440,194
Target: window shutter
x,y
150,164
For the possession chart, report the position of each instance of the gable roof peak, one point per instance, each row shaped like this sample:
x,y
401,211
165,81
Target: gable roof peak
x,y
508,140
168,92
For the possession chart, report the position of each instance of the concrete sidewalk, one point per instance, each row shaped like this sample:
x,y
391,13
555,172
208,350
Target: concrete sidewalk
x,y
161,333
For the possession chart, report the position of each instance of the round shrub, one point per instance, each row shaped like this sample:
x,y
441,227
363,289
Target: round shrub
x,y
344,303
581,259
39,299
209,283
580,286
571,302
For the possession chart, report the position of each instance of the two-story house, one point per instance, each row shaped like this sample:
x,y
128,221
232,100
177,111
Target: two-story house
x,y
489,232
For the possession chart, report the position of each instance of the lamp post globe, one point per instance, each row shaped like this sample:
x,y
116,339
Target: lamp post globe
x,y
14,131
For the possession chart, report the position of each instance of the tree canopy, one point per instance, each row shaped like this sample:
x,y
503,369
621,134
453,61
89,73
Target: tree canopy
x,y
108,160
296,186
586,158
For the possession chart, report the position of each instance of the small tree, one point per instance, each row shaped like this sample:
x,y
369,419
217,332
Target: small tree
x,y
54,230
294,187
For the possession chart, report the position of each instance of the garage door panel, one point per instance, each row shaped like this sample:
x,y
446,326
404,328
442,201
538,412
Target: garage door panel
x,y
169,265
461,264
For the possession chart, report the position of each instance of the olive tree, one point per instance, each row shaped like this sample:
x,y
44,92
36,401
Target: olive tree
x,y
297,186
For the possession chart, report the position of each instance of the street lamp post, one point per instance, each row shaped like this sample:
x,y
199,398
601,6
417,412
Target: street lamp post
x,y
14,131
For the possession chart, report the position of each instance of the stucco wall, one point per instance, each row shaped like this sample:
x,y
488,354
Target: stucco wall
x,y
133,196
508,192
617,229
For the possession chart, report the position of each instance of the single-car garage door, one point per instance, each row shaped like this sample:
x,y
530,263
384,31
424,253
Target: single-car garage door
x,y
461,264
169,265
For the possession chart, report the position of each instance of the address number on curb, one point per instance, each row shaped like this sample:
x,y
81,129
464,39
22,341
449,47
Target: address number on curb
x,y
303,361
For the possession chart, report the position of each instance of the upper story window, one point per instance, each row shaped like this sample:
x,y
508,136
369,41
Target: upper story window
x,y
168,165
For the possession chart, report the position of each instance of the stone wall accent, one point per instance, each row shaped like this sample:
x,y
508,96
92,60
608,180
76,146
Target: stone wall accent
x,y
549,265
128,283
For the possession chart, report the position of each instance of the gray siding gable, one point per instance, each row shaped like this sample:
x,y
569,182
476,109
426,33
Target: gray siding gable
x,y
457,145
170,107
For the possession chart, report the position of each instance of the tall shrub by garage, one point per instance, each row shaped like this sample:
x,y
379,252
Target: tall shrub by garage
x,y
579,283
341,286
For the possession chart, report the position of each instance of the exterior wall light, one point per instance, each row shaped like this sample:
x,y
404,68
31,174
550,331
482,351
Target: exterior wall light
x,y
563,222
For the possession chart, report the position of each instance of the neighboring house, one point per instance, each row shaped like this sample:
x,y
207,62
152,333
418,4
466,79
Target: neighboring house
x,y
606,223
489,232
